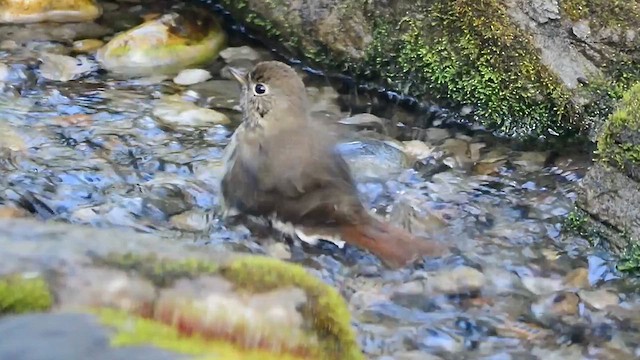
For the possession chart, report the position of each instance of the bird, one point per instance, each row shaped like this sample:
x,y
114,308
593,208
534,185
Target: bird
x,y
283,166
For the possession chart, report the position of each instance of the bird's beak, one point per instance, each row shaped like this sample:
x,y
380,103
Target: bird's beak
x,y
239,75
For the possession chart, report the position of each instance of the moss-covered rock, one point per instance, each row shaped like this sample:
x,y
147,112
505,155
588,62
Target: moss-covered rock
x,y
619,140
160,271
165,45
20,294
610,192
329,314
509,63
217,325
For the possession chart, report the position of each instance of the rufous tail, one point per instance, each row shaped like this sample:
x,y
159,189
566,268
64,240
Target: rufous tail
x,y
394,246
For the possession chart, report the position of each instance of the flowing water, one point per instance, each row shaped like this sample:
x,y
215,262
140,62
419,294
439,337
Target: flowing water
x,y
97,151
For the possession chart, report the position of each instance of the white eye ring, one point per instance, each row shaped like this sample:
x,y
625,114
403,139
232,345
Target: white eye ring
x,y
260,89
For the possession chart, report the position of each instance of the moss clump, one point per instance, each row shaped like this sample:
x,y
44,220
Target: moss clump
x,y
133,330
630,260
331,318
470,52
578,222
619,140
161,272
604,13
20,295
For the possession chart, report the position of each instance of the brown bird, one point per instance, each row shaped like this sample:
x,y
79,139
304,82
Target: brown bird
x,y
283,166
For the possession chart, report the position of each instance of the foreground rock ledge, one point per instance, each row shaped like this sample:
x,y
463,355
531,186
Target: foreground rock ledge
x,y
520,62
162,297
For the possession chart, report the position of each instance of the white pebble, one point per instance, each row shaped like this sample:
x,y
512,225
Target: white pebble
x,y
191,76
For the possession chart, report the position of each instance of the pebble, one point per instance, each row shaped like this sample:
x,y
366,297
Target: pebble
x,y
599,299
4,72
194,220
175,112
87,45
239,53
192,76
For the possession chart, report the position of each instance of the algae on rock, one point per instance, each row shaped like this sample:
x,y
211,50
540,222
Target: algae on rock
x,y
470,52
610,191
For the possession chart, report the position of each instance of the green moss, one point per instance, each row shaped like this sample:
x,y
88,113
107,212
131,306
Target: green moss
x,y
21,294
602,13
162,272
135,331
467,51
326,307
629,261
625,121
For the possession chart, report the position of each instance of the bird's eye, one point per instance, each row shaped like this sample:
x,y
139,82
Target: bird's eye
x,y
260,89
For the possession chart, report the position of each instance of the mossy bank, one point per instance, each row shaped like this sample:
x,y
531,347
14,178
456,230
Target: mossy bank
x,y
610,192
469,52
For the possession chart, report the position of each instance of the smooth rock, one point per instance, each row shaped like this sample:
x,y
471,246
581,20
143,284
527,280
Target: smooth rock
x,y
191,76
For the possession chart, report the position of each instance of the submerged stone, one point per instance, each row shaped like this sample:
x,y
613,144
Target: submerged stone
x,y
32,11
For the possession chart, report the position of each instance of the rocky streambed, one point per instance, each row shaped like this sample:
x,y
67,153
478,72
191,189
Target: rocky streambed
x,y
109,229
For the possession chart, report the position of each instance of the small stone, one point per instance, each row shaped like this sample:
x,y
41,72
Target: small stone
x,y
541,285
417,149
578,278
456,281
599,299
239,53
175,112
8,45
556,305
11,212
190,220
93,287
65,68
192,76
87,45
437,134
279,250
4,72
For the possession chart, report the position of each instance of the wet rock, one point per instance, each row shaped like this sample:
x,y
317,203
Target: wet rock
x,y
555,306
191,220
417,149
65,33
174,112
153,292
87,45
94,287
232,54
599,299
16,11
542,285
65,337
459,280
191,76
164,45
578,278
65,68
223,94
373,159
4,72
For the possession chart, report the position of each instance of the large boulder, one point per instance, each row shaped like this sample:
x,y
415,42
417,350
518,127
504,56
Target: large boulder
x,y
528,66
117,292
610,192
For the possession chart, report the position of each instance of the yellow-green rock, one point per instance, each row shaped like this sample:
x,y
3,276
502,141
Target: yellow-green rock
x,y
164,45
31,11
213,323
